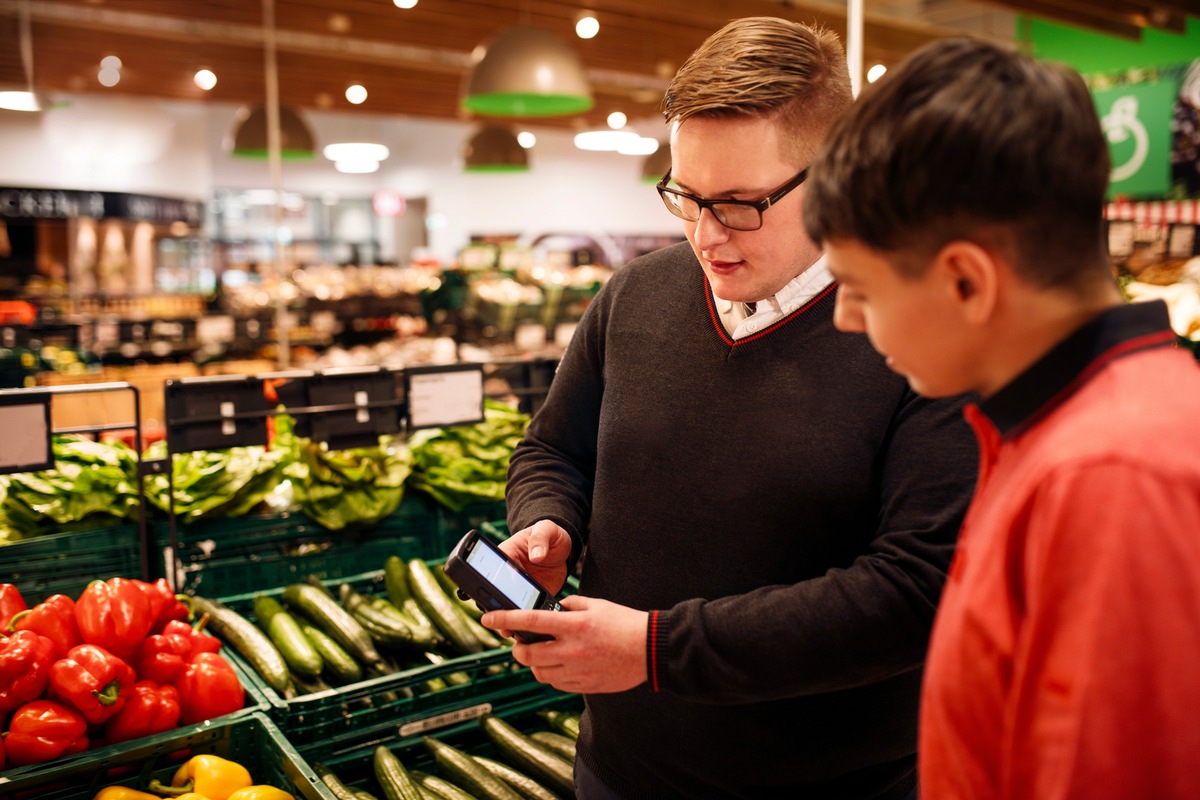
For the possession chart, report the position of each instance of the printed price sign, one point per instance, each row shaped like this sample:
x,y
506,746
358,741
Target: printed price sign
x,y
445,395
25,419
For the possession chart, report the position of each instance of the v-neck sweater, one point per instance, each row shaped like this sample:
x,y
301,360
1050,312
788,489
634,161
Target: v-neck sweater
x,y
784,506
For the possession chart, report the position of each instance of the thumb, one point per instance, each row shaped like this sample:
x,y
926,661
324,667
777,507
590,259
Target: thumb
x,y
543,536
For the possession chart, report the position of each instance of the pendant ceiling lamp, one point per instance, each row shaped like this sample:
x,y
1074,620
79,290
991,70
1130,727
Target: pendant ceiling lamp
x,y
250,134
494,149
656,164
527,72
22,97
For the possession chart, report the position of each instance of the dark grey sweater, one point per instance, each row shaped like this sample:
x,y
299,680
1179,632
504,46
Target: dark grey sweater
x,y
789,508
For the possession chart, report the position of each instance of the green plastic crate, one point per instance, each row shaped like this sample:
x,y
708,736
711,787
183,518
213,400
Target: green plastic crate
x,y
351,757
224,557
389,699
253,741
65,563
454,524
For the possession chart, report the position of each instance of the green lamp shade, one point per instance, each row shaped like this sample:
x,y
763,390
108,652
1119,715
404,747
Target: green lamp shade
x,y
250,134
656,164
527,72
494,149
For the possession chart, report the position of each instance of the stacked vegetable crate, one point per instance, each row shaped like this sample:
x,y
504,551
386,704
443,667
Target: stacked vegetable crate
x,y
351,757
251,740
474,684
65,563
222,557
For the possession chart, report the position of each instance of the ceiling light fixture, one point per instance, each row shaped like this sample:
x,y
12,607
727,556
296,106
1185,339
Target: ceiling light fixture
x,y
356,151
526,139
643,146
656,165
875,73
609,140
494,149
404,3
109,77
356,94
17,97
587,26
527,72
205,78
250,134
616,120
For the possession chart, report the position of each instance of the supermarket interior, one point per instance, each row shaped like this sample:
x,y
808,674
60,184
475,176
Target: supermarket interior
x,y
281,288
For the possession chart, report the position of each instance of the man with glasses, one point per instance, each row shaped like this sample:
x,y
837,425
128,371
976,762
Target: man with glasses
x,y
768,511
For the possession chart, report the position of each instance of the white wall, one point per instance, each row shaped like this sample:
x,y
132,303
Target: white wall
x,y
124,144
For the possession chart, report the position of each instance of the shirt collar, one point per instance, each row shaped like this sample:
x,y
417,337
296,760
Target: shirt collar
x,y
795,293
1062,371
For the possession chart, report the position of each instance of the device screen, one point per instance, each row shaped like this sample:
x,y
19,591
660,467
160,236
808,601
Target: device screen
x,y
500,573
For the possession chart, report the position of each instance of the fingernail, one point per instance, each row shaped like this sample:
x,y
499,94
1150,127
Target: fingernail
x,y
537,552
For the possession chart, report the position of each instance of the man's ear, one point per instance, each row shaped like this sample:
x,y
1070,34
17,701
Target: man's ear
x,y
971,275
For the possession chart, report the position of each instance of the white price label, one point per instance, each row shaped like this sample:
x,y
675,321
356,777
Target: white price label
x,y
438,398
442,720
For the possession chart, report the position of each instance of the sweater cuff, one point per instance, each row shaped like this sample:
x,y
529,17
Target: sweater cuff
x,y
656,645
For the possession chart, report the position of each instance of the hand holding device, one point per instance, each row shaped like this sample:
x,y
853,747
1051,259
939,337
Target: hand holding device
x,y
494,581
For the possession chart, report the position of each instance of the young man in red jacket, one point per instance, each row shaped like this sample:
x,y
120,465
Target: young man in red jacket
x,y
960,204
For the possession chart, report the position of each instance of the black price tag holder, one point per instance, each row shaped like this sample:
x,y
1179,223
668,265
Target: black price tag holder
x,y
27,446
343,407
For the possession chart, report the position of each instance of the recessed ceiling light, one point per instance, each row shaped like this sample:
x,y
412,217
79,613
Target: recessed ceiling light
x,y
205,79
356,94
587,27
526,139
109,76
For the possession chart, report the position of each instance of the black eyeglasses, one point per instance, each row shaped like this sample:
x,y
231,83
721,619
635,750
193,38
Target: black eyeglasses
x,y
738,215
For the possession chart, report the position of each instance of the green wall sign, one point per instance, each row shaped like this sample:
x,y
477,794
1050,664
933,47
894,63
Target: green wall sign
x,y
1137,123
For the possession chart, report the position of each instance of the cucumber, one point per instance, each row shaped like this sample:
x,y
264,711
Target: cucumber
x,y
529,757
561,746
339,790
249,642
435,788
385,630
340,665
305,686
451,589
454,678
393,778
434,602
282,628
395,581
466,773
490,639
564,722
425,635
359,794
323,611
527,786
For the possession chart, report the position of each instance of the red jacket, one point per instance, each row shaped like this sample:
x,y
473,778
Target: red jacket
x,y
1065,658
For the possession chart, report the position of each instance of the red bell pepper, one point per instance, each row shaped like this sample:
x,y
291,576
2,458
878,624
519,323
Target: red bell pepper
x,y
151,709
11,602
201,642
208,688
162,657
53,618
92,680
1,755
25,661
114,615
165,605
42,731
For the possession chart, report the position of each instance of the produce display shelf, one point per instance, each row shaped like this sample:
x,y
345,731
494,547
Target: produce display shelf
x,y
222,557
390,700
65,563
255,702
251,740
350,757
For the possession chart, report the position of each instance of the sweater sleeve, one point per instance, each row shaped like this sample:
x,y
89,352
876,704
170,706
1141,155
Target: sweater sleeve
x,y
550,473
851,626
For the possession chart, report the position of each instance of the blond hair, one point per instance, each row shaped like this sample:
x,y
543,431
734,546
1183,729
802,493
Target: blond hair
x,y
765,66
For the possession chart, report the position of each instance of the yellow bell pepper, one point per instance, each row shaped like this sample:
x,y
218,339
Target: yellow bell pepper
x,y
260,793
189,796
123,793
211,777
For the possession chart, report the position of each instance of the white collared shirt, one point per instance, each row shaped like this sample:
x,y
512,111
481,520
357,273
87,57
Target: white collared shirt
x,y
739,323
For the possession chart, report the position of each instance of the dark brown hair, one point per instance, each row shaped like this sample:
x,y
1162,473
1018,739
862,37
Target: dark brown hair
x,y
764,66
969,140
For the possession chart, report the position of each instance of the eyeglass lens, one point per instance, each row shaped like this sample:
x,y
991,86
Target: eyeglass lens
x,y
731,215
